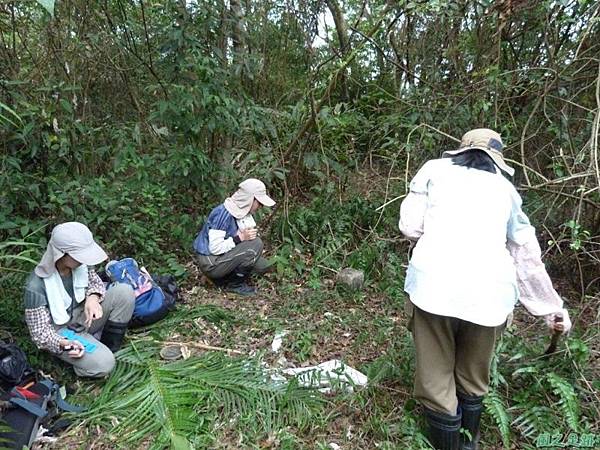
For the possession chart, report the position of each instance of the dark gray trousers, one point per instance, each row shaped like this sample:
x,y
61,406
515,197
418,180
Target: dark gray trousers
x,y
117,306
244,257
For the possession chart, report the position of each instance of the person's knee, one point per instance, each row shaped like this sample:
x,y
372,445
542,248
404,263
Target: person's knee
x,y
98,364
258,246
253,252
120,292
128,301
120,297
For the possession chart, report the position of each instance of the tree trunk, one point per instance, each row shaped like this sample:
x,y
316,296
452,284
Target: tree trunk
x,y
221,43
342,33
238,30
238,33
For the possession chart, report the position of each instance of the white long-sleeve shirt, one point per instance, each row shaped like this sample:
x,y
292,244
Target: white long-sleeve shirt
x,y
219,245
476,252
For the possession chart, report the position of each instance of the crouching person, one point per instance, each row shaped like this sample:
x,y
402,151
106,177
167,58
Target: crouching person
x,y
65,294
228,247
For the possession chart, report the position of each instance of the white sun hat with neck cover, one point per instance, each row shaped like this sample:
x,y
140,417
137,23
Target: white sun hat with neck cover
x,y
74,239
239,204
485,140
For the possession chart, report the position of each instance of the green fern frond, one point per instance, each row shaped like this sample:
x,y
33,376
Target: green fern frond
x,y
534,420
568,401
495,408
330,248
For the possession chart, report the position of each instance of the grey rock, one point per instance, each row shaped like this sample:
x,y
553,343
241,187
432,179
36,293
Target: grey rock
x,y
352,278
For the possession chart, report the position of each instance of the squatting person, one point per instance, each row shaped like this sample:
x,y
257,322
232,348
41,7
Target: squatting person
x,y
65,293
476,255
228,247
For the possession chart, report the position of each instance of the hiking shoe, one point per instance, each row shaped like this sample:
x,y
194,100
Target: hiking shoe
x,y
240,289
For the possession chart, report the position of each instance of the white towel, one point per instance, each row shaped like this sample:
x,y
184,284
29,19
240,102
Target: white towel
x,y
246,222
58,298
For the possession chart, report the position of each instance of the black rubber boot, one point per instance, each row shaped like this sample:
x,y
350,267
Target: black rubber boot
x,y
472,407
113,334
444,430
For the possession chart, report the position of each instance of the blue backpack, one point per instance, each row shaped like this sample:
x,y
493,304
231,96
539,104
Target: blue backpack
x,y
151,305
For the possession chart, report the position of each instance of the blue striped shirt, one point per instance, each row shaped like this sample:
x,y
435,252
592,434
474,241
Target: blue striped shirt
x,y
218,219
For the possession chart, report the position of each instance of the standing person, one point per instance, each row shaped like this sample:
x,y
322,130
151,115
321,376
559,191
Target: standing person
x,y
64,292
228,247
476,255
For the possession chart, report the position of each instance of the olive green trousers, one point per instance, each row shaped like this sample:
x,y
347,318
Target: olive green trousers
x,y
451,354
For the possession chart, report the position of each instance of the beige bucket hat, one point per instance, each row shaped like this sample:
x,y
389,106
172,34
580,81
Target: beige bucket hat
x,y
240,202
486,140
74,239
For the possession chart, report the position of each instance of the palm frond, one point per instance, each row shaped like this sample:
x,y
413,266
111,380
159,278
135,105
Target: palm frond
x,y
211,313
5,443
180,403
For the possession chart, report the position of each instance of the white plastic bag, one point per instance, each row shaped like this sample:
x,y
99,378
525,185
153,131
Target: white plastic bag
x,y
328,376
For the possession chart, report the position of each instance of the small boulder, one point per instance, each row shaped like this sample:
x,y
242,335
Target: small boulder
x,y
352,278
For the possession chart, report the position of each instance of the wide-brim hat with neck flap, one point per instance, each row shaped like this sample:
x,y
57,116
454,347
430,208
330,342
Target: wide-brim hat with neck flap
x,y
74,239
485,140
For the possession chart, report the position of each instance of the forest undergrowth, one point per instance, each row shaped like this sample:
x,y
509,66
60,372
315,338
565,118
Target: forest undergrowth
x,y
138,117
226,400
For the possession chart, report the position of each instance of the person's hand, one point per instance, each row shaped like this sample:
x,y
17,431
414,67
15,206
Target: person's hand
x,y
248,234
73,348
92,309
559,326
